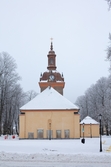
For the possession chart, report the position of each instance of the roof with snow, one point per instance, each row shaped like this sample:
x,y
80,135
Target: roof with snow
x,y
49,99
88,120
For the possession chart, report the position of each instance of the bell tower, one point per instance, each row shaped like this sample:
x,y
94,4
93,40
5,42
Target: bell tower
x,y
52,77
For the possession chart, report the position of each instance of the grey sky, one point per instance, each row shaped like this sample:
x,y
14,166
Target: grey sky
x,y
80,30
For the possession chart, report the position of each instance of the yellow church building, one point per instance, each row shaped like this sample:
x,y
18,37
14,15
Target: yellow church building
x,y
50,115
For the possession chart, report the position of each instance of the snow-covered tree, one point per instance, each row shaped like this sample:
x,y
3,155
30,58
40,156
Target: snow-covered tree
x,y
97,99
30,95
8,80
12,96
109,3
109,51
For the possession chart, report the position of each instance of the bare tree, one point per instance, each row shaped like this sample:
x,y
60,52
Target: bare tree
x,y
109,3
81,102
109,51
109,47
12,96
30,95
97,99
8,80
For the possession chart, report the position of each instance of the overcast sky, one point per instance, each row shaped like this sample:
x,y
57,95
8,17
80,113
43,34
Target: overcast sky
x,y
79,28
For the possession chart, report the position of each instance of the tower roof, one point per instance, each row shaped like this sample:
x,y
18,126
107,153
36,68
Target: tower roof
x,y
49,99
51,59
51,51
51,47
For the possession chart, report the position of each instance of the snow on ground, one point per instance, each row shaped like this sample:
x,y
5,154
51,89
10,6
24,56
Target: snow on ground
x,y
55,152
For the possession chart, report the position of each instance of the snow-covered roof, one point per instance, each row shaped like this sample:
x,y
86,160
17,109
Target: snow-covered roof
x,y
49,99
88,120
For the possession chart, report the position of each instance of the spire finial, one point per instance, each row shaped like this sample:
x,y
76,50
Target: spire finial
x,y
51,47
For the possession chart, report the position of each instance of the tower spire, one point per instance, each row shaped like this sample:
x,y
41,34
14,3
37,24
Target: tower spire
x,y
51,47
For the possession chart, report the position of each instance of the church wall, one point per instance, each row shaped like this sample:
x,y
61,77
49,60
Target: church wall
x,y
22,126
51,120
95,130
77,126
63,121
90,130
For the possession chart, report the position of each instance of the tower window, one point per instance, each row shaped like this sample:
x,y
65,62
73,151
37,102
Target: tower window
x,y
51,61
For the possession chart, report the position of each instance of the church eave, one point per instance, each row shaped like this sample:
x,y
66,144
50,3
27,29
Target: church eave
x,y
30,110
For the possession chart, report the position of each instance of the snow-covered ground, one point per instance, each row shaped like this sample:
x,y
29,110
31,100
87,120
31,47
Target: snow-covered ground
x,y
55,153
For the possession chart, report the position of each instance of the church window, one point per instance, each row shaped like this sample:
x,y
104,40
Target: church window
x,y
58,134
66,134
40,133
49,134
30,135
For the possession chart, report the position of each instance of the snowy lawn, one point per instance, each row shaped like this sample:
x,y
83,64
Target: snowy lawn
x,y
56,150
